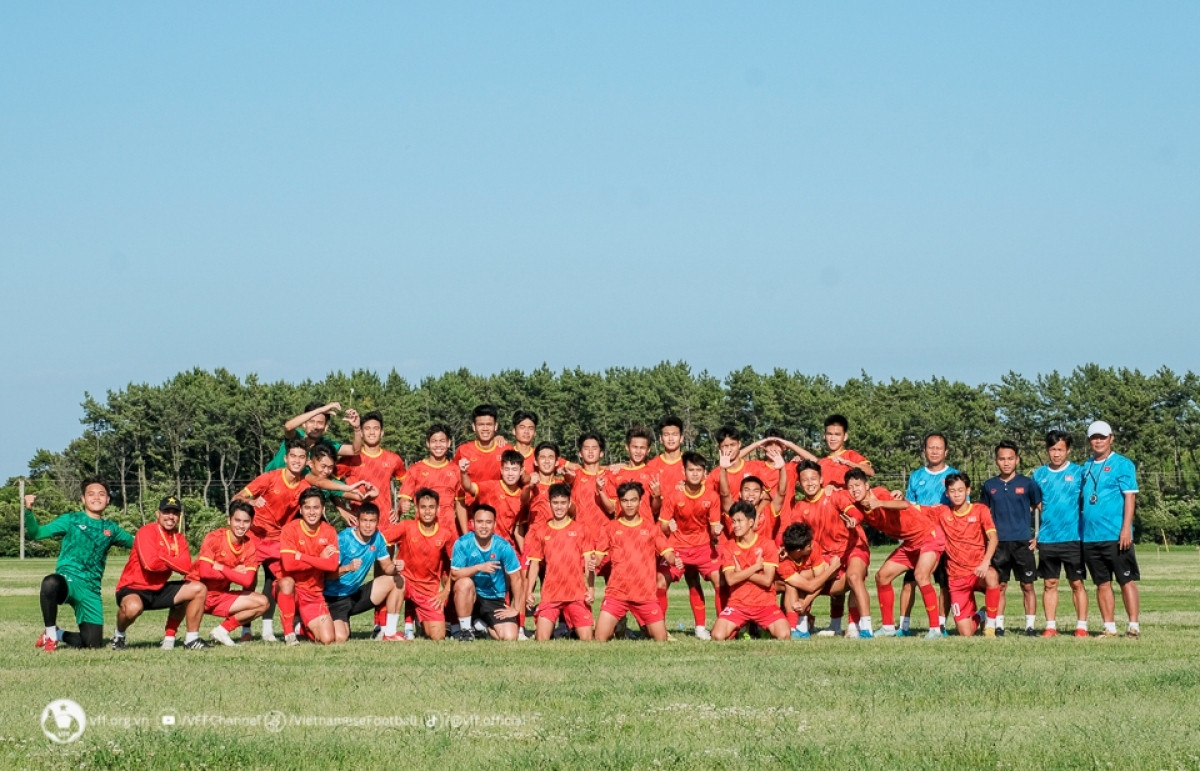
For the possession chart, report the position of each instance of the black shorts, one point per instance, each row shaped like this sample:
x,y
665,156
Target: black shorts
x,y
1015,558
154,599
1105,561
342,608
1057,558
939,575
485,610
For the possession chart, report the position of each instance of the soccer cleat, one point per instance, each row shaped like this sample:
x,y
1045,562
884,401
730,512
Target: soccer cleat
x,y
1030,632
884,632
196,645
465,635
50,645
945,633
168,644
1081,633
933,634
989,631
865,634
118,643
522,636
392,638
828,633
377,633
900,633
290,639
247,637
1050,633
703,634
798,635
221,635
999,631
1107,635
269,637
41,641
1133,634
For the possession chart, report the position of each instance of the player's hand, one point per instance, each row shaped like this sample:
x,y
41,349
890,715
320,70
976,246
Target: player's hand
x,y
1032,544
1126,539
775,456
372,492
589,596
258,503
352,418
870,503
217,566
29,499
464,464
601,481
351,520
332,407
849,521
489,567
714,527
354,565
656,487
530,603
329,551
507,612
829,489
678,562
438,601
725,459
834,563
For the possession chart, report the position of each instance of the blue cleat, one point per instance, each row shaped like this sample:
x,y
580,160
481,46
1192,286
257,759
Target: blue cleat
x,y
865,634
903,633
798,635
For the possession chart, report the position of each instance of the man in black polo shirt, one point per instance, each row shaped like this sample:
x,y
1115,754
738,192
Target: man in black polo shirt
x,y
1012,497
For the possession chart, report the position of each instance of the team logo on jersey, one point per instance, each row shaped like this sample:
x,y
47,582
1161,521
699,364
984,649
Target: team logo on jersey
x,y
1107,469
972,518
322,541
1070,478
492,556
707,504
83,528
371,547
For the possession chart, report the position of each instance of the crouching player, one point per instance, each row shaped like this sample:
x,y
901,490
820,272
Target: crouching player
x,y
424,548
748,561
562,546
631,546
308,549
921,546
484,568
971,542
806,571
360,548
227,556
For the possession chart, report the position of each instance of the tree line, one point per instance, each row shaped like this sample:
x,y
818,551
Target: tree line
x,y
202,435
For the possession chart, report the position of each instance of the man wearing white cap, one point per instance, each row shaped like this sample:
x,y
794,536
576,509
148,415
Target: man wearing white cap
x,y
1109,498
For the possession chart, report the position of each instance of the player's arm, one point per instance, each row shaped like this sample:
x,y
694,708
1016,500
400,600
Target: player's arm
x,y
529,580
817,578
253,491
465,477
388,566
289,428
765,577
356,446
735,576
723,485
516,587
327,562
35,531
779,494
795,448
1126,538
608,505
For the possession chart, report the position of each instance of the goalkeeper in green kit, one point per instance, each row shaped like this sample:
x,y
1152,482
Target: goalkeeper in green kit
x,y
86,538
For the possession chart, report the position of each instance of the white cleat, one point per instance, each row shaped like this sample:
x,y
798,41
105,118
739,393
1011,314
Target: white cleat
x,y
220,635
269,637
703,634
168,644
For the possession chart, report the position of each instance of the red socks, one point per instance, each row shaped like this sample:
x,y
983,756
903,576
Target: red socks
x,y
696,598
991,601
887,604
287,611
230,624
661,595
929,595
172,626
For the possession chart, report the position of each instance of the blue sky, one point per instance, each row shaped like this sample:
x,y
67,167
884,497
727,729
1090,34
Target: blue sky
x,y
907,189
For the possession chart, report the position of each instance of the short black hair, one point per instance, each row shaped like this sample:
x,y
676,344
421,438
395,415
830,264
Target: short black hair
x,y
638,432
672,421
1007,444
374,415
591,435
546,446
745,509
837,420
522,415
512,458
438,428
295,443
626,487
485,411
559,490
1056,436
368,508
312,492
856,473
958,476
798,536
322,449
694,459
92,480
427,492
482,507
245,506
804,464
934,434
750,478
727,432
315,405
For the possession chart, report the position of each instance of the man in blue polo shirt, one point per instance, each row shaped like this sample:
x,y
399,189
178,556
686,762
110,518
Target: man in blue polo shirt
x,y
1109,500
362,547
1012,497
483,569
1059,530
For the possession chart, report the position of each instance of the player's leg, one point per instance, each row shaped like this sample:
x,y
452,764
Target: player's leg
x,y
89,615
1128,575
888,572
1079,599
856,577
927,562
606,624
779,629
464,606
696,598
431,614
129,607
908,596
285,598
579,617
545,620
191,595
53,593
388,591
322,629
1050,602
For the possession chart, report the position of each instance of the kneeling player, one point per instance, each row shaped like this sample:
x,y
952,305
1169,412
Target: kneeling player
x,y
308,549
971,542
360,548
424,547
562,546
631,547
227,557
807,571
748,561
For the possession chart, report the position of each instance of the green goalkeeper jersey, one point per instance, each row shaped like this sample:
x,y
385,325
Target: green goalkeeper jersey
x,y
85,542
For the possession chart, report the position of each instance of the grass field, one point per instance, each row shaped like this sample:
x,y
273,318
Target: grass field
x,y
900,703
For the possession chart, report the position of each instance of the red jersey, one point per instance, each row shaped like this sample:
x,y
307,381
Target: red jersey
x,y
530,464
966,537
692,514
633,549
281,502
817,559
485,464
156,554
443,478
379,469
539,505
220,547
766,473
507,503
735,556
587,509
669,473
834,473
561,548
911,524
640,474
426,554
302,548
823,515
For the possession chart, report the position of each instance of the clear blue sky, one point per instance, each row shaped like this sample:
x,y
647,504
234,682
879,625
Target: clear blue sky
x,y
907,189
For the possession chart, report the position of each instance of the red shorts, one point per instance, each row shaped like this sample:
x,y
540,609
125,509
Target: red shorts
x,y
266,550
645,613
702,558
962,595
221,603
424,608
763,615
577,614
310,605
908,553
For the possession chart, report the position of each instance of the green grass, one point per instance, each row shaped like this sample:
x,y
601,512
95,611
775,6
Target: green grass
x,y
1012,702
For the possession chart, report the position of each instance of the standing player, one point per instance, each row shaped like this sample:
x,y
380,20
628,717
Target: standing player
x,y
484,568
770,504
436,473
567,588
667,466
348,593
691,518
729,442
159,550
503,496
374,465
927,487
485,450
1109,501
1012,499
543,476
637,445
308,549
227,557
921,546
583,478
1059,547
749,561
630,547
424,547
86,538
840,459
971,541
310,426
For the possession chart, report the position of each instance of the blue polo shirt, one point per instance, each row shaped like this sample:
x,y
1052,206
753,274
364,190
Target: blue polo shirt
x,y
1012,505
352,548
926,488
489,586
1108,480
1060,503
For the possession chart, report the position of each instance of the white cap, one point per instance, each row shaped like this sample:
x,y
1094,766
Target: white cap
x,y
1099,427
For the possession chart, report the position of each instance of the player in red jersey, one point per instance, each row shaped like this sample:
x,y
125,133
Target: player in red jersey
x,y
159,550
631,547
691,517
504,495
562,546
921,545
545,473
374,465
308,549
807,570
424,546
840,458
971,541
729,442
637,444
484,451
667,466
768,502
227,557
436,473
582,478
749,561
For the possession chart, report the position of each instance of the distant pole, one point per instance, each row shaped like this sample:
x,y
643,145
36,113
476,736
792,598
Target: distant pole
x,y
21,498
